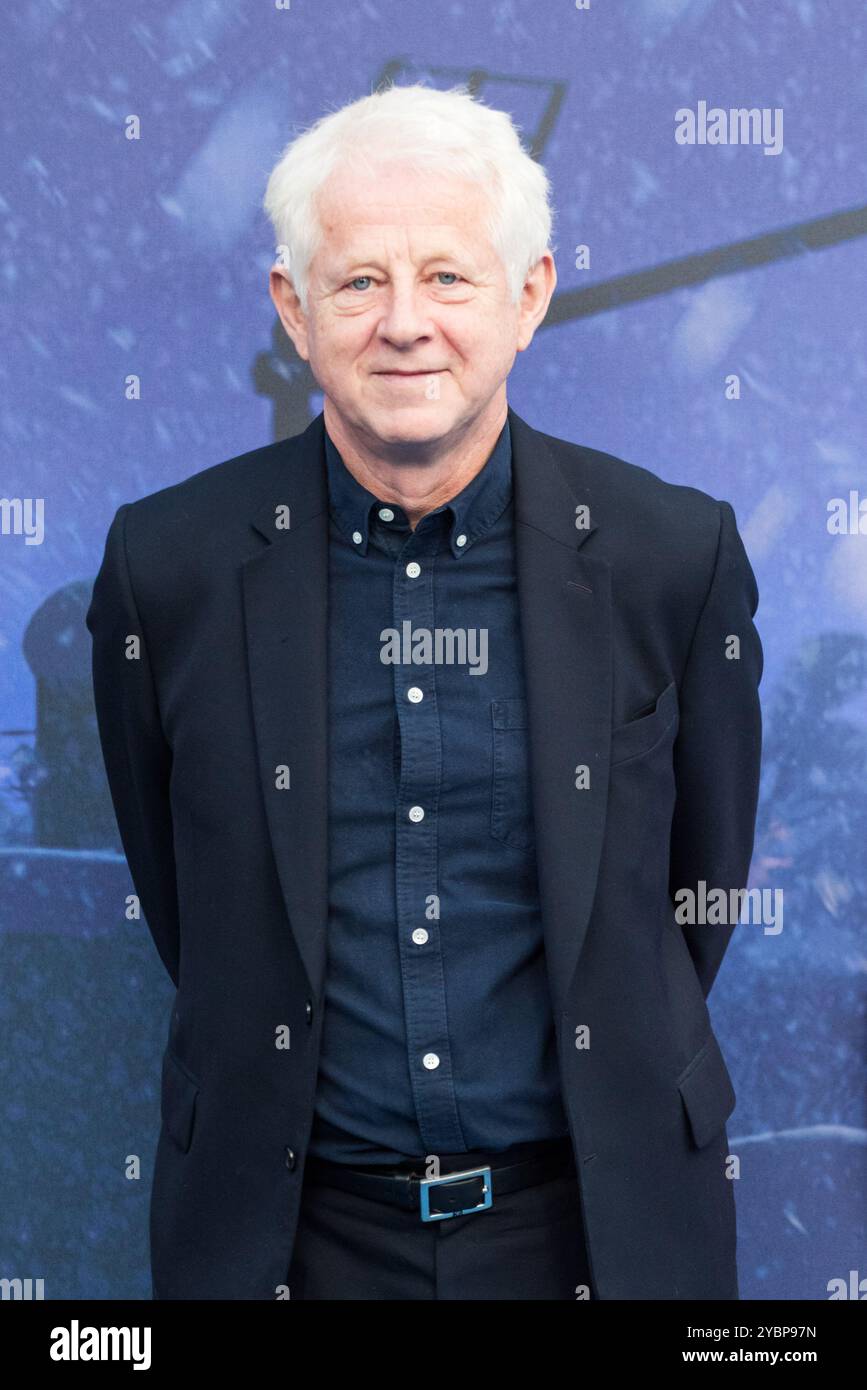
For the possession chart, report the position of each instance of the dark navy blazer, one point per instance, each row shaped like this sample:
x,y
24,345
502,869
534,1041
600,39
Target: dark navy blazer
x,y
641,663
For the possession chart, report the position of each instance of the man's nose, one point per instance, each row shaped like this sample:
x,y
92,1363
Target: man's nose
x,y
405,316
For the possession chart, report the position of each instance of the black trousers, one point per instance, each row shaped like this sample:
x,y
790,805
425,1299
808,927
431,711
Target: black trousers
x,y
528,1245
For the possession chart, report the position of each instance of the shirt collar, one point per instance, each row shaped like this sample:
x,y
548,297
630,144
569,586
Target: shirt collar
x,y
471,513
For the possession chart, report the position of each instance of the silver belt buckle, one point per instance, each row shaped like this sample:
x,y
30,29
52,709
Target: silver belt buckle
x,y
425,1185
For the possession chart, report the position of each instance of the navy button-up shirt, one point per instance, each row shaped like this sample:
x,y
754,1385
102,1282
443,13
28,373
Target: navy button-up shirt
x,y
438,1033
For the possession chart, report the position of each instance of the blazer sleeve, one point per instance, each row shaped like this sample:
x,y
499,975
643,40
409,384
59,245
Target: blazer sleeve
x,y
717,754
135,751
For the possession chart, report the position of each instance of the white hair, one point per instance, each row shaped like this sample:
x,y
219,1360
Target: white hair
x,y
422,128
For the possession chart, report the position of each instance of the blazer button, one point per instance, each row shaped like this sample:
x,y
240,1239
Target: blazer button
x,y
290,1159
308,1011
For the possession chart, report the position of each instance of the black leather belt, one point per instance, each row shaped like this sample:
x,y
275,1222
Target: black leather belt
x,y
456,1192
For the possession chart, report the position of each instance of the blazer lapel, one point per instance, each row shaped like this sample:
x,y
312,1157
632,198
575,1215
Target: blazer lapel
x,y
286,614
564,598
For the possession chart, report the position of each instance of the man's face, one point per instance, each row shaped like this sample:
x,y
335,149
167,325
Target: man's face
x,y
410,331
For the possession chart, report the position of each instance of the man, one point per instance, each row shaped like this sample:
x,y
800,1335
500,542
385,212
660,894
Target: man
x,y
416,726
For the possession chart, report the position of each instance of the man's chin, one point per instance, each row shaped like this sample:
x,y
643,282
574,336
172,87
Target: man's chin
x,y
406,423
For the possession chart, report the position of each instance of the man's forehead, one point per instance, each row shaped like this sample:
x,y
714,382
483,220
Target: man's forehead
x,y
364,215
431,237
376,245
403,196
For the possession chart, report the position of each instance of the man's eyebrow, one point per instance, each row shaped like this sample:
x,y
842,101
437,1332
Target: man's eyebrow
x,y
347,264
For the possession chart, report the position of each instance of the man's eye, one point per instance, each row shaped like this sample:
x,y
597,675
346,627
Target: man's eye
x,y
361,282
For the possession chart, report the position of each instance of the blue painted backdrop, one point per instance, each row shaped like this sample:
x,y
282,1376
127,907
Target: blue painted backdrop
x,y
150,257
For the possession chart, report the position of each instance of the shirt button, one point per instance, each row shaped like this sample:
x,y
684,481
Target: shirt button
x,y
419,936
431,1061
415,694
461,540
386,514
290,1159
357,537
308,1012
413,569
416,813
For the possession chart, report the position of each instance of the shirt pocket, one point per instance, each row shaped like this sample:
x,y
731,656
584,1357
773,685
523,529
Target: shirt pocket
x,y
638,736
511,811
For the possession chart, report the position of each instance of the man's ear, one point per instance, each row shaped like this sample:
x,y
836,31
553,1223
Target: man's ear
x,y
289,310
535,298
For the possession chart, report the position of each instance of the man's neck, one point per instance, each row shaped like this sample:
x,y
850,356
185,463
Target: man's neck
x,y
419,485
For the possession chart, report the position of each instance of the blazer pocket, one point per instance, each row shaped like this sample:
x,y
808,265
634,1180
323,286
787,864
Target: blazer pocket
x,y
707,1092
178,1101
640,735
511,814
